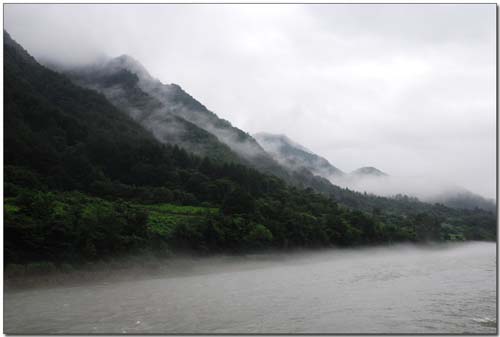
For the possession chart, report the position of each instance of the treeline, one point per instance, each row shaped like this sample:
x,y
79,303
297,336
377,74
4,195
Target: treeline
x,y
81,179
43,225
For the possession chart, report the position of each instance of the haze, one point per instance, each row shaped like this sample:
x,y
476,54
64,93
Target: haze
x,y
409,89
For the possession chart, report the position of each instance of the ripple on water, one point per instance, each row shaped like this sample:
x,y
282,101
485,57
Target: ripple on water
x,y
486,321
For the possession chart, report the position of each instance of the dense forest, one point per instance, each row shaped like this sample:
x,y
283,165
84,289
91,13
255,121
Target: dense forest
x,y
84,181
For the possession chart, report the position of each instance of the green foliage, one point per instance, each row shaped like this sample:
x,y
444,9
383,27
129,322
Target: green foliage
x,y
185,210
259,236
51,226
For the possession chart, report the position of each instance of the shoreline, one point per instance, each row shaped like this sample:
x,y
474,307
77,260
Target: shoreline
x,y
140,267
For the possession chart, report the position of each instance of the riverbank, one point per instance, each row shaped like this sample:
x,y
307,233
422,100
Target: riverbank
x,y
137,267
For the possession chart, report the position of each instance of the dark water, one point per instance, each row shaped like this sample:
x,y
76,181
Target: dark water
x,y
404,289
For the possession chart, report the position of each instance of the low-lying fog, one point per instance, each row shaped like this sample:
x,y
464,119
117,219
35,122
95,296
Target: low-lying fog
x,y
419,187
427,189
446,288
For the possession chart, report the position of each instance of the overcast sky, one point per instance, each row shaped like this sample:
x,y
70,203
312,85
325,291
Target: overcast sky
x,y
409,89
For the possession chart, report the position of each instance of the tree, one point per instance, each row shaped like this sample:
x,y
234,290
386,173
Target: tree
x,y
238,202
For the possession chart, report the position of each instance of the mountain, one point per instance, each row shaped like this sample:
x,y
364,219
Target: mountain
x,y
118,79
294,156
171,114
56,128
85,181
464,199
305,164
368,171
175,117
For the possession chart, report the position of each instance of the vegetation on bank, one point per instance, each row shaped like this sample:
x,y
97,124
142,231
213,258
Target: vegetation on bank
x,y
72,227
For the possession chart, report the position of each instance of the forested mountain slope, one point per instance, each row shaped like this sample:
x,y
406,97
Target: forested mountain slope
x,y
171,114
174,117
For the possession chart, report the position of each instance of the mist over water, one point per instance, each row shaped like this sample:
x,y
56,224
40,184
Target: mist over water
x,y
400,289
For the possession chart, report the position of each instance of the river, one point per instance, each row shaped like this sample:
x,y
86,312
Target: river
x,y
400,289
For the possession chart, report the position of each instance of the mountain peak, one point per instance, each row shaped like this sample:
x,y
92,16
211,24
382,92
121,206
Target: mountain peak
x,y
279,140
127,62
369,171
9,41
295,156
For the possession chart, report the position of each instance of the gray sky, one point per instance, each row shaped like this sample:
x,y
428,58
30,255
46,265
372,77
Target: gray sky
x,y
409,89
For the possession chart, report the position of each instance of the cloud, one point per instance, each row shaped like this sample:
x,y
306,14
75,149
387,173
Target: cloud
x,y
409,89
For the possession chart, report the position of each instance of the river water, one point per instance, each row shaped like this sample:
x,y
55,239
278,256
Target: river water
x,y
400,289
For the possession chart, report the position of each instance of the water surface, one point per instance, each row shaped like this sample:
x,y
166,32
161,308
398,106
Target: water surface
x,y
402,289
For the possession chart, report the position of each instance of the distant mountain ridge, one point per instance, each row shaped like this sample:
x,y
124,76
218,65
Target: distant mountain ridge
x,y
464,199
298,158
295,156
369,171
